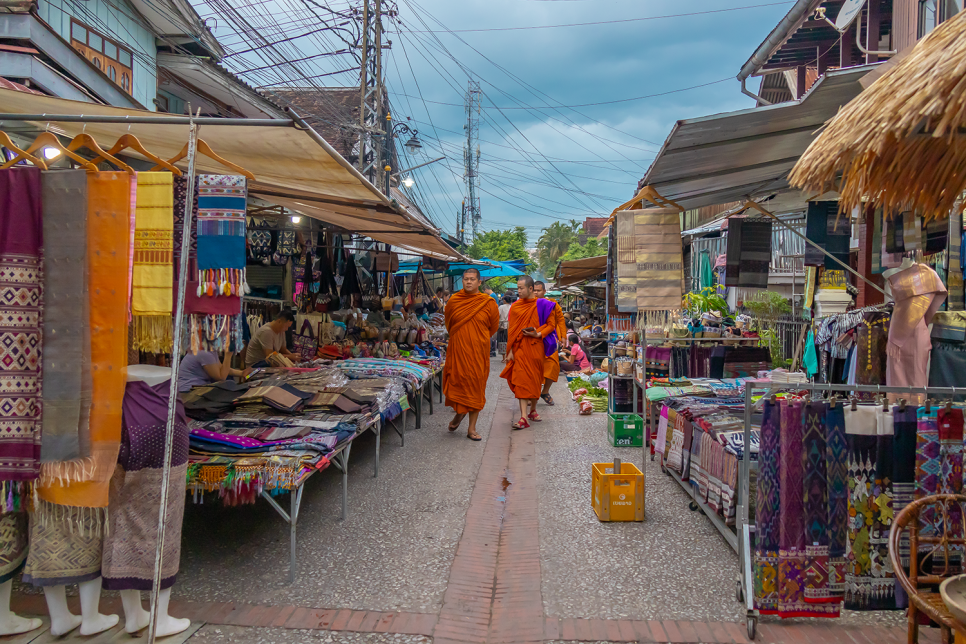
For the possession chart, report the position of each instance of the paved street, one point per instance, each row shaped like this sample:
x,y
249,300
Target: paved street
x,y
475,542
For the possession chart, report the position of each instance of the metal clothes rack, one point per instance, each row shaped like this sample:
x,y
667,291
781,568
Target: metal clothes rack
x,y
745,580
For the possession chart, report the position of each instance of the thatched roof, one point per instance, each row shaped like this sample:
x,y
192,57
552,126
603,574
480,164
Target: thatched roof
x,y
902,142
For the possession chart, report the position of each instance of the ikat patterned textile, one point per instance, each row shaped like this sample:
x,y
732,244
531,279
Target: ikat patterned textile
x,y
869,582
21,274
221,233
129,545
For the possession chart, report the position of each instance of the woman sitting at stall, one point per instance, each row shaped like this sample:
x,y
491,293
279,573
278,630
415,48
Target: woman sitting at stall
x,y
574,358
204,368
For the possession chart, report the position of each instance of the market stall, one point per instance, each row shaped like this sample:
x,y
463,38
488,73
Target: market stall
x,y
166,270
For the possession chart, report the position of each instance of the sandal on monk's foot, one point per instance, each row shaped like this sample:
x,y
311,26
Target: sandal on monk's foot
x,y
534,416
547,399
474,437
521,424
455,423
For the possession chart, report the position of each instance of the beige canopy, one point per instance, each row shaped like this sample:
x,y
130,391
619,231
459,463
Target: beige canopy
x,y
291,167
580,270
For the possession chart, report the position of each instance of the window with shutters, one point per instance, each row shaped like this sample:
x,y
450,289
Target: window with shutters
x,y
108,55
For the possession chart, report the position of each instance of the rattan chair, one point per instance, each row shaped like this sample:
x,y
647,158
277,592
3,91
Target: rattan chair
x,y
934,549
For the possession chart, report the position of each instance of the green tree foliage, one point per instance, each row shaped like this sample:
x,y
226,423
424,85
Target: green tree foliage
x,y
593,248
555,242
502,245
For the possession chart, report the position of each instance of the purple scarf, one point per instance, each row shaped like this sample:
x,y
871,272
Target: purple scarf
x,y
544,309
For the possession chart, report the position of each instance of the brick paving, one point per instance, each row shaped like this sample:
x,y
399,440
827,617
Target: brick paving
x,y
494,588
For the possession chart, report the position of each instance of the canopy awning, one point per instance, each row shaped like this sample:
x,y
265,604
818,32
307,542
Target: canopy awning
x,y
580,270
733,156
497,269
292,167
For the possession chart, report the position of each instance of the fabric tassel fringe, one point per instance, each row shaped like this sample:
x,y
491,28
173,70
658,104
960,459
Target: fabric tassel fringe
x,y
66,472
17,496
153,333
224,281
84,521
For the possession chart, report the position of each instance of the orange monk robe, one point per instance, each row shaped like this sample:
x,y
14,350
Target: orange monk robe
x,y
524,374
471,321
551,364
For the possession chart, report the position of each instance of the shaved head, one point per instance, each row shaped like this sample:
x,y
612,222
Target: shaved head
x,y
471,281
525,287
539,289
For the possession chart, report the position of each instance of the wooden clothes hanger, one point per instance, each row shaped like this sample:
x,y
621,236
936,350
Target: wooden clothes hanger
x,y
48,140
83,140
131,141
205,149
7,143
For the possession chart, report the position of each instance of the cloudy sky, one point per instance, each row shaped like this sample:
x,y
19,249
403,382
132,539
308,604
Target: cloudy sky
x,y
540,162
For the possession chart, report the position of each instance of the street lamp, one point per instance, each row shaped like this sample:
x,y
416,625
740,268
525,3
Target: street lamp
x,y
412,145
408,182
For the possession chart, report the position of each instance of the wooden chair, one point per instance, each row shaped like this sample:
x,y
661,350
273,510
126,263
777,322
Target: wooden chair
x,y
935,549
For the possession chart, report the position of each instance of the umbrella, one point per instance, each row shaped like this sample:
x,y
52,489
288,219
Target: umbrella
x,y
900,142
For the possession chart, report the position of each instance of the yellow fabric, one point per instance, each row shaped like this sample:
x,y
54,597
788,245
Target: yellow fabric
x,y
85,482
152,299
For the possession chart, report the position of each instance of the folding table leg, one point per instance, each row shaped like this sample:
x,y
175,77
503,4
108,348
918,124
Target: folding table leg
x,y
378,430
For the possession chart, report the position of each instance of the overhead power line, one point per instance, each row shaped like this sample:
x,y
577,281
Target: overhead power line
x,y
600,22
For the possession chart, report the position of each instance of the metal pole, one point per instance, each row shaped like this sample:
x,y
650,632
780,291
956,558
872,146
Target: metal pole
x,y
364,85
173,393
387,154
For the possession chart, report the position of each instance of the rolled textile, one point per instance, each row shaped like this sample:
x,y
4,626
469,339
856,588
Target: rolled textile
x,y
152,299
66,363
954,267
84,482
129,546
21,242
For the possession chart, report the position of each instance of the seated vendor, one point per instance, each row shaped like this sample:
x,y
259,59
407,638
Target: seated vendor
x,y
270,338
574,358
204,368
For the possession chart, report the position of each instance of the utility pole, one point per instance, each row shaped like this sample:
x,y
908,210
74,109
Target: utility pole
x,y
471,156
371,87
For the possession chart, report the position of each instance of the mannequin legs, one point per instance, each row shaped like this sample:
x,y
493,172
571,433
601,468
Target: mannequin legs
x,y
91,621
11,623
90,597
62,621
136,617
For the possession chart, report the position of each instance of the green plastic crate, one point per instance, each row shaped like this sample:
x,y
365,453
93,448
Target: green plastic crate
x,y
625,430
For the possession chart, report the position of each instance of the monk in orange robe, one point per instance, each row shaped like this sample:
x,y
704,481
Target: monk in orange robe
x,y
525,354
551,364
471,320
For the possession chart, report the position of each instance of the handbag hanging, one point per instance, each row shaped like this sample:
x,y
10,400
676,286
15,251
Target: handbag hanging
x,y
305,343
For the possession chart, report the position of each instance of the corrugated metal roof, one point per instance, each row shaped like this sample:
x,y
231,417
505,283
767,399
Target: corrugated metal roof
x,y
727,157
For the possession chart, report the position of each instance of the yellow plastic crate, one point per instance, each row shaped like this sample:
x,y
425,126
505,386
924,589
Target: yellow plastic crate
x,y
618,497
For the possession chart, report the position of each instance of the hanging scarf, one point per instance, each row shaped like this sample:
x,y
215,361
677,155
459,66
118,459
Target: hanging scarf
x,y
221,234
21,240
84,482
66,366
152,299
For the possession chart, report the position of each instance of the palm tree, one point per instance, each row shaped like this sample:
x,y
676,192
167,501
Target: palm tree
x,y
554,242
